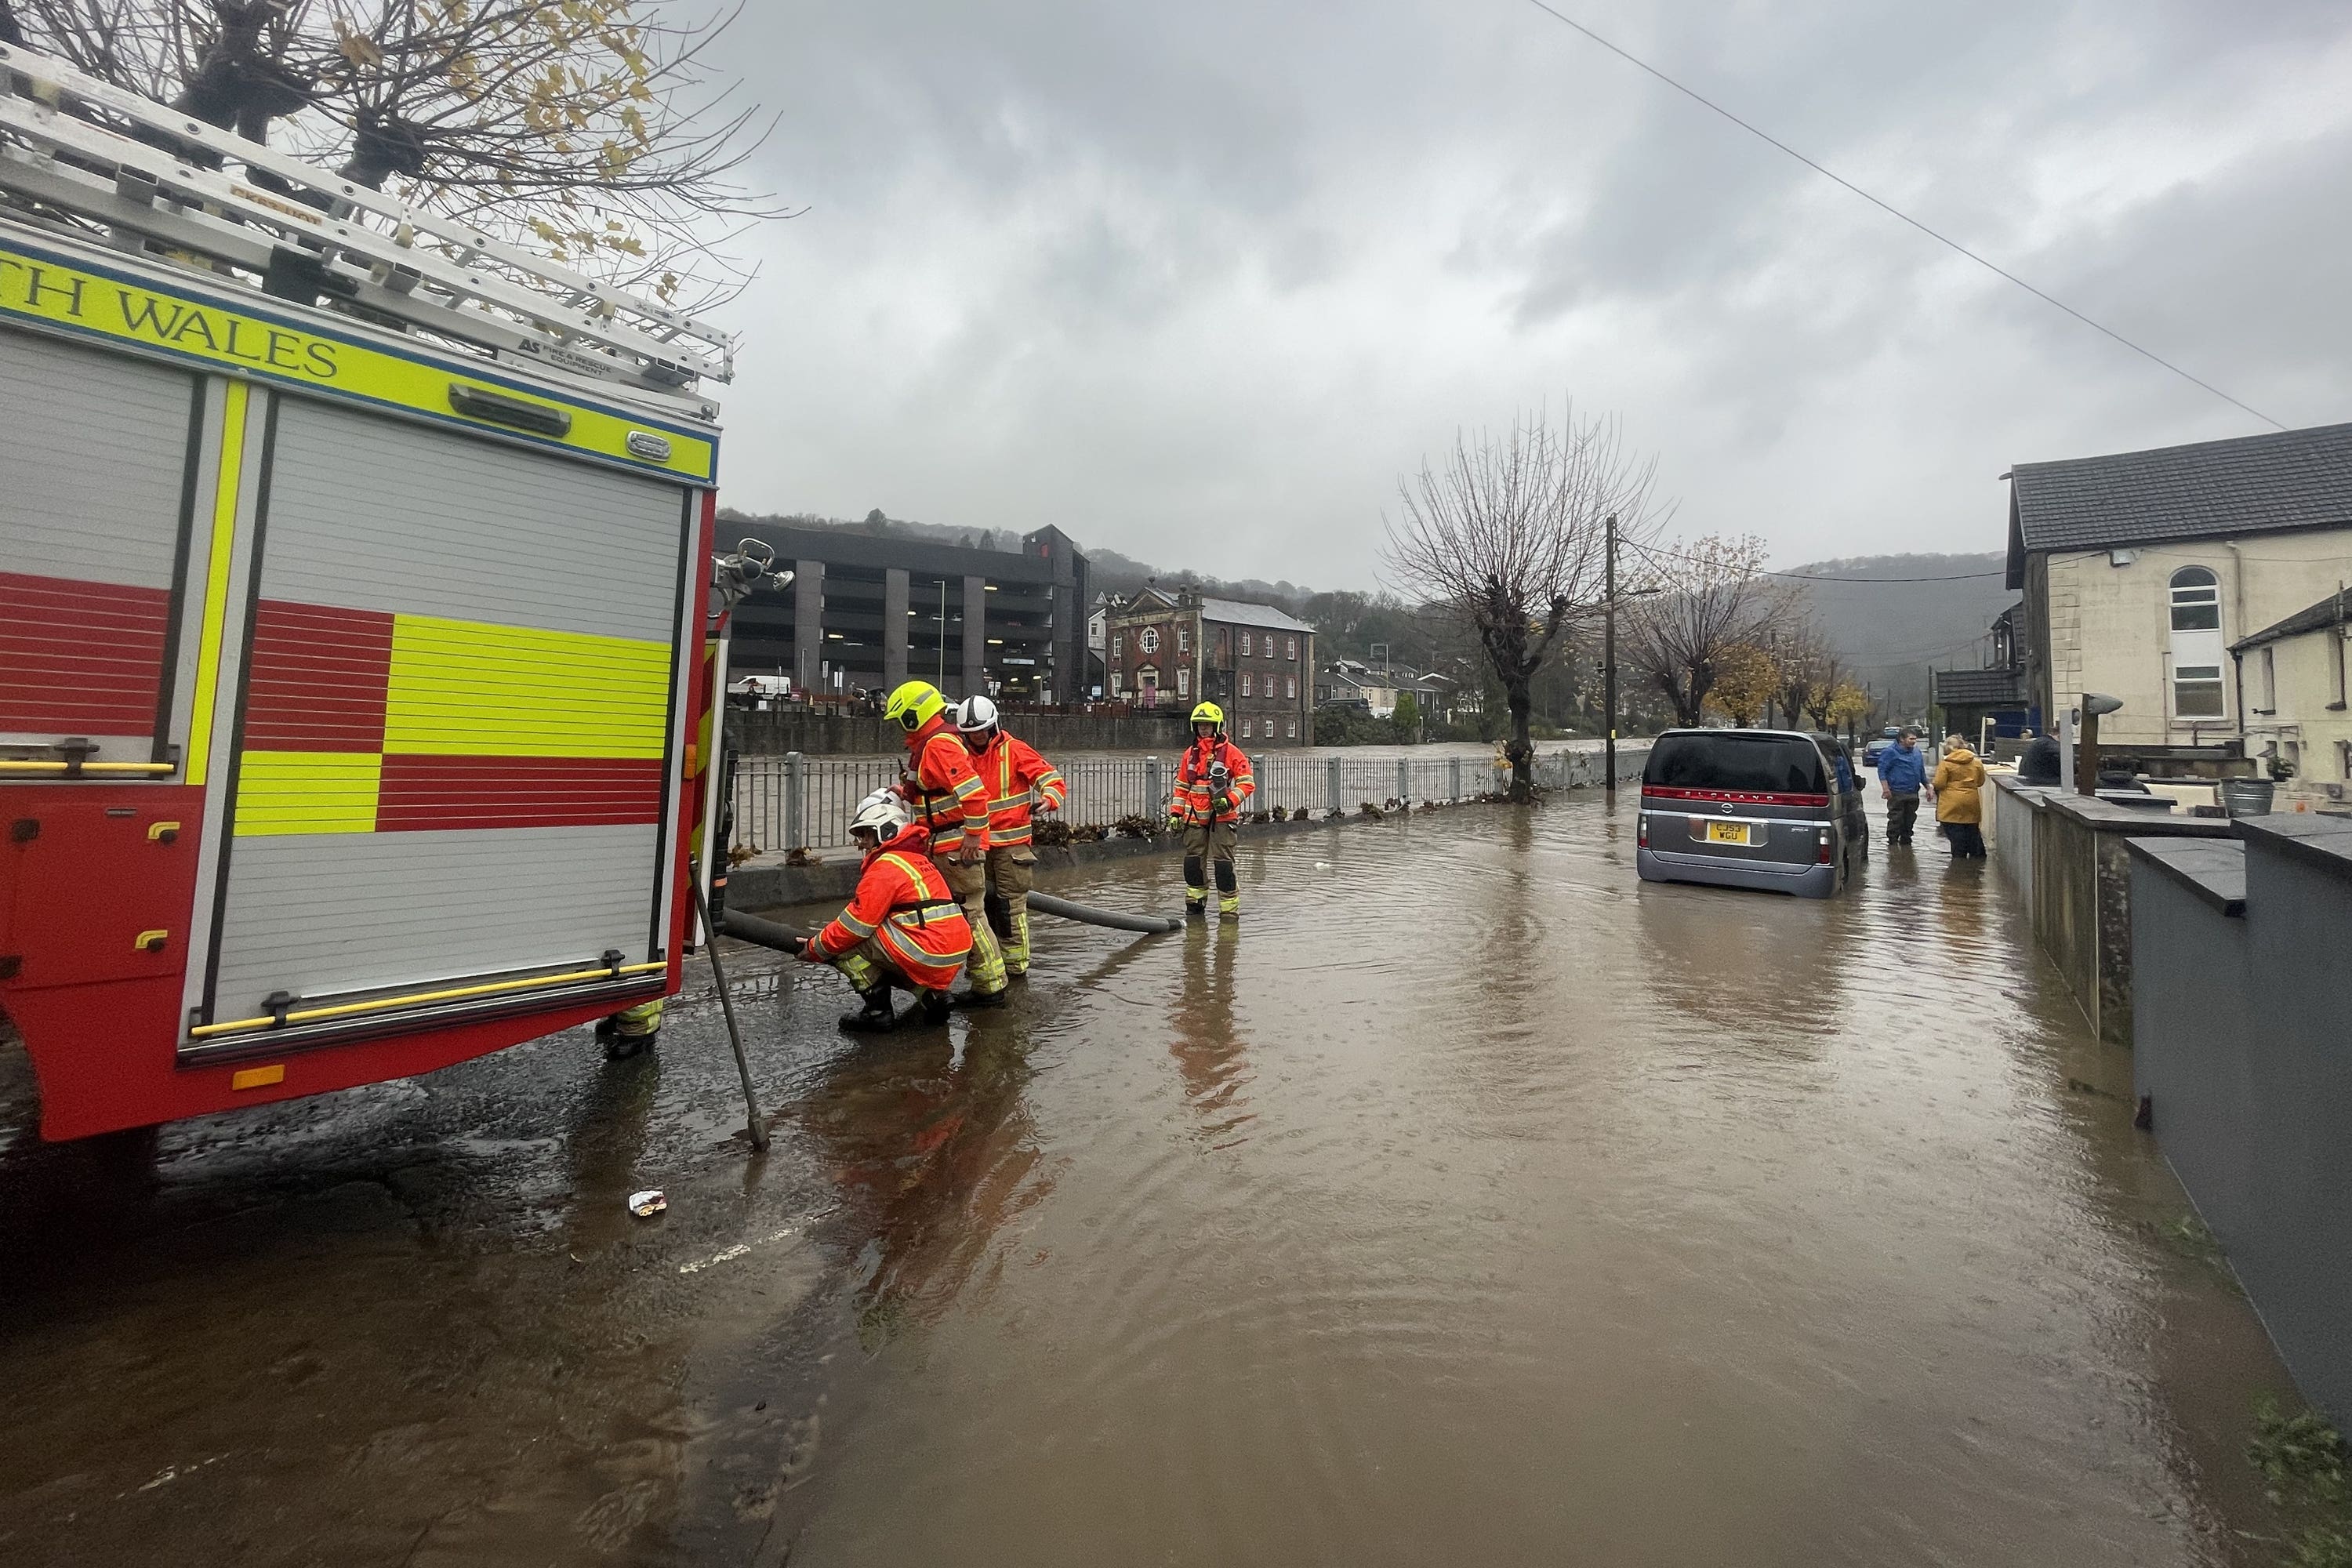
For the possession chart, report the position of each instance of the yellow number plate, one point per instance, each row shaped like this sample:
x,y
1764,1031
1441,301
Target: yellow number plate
x,y
1727,832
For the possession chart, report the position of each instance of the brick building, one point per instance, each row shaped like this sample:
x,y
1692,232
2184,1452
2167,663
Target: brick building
x,y
1253,660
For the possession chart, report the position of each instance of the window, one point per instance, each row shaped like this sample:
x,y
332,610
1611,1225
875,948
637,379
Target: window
x,y
1245,644
1245,729
1183,639
1118,644
1290,649
1245,685
1291,726
1183,681
1290,686
1148,639
2197,690
2196,600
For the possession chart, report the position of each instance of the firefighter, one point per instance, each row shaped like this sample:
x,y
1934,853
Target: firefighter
x,y
902,928
1212,782
951,804
1011,772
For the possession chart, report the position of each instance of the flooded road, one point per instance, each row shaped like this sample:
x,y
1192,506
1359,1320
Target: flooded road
x,y
1471,1201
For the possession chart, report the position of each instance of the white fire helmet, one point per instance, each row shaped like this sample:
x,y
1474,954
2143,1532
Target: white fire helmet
x,y
976,714
884,813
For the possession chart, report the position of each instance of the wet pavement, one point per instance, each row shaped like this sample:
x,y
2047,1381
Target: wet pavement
x,y
1471,1203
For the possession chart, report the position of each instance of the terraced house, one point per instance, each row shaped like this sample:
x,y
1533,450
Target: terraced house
x,y
2143,571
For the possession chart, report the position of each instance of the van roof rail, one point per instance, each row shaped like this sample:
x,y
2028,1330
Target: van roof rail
x,y
79,153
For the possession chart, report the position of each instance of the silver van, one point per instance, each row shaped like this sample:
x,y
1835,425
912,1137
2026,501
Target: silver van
x,y
1743,808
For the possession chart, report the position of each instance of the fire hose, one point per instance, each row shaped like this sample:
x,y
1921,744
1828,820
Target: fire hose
x,y
788,939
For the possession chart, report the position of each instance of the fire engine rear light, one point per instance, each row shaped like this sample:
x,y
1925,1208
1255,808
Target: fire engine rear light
x,y
647,445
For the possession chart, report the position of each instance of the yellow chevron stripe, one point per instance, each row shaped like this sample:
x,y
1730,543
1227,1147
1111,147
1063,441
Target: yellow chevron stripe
x,y
469,688
306,791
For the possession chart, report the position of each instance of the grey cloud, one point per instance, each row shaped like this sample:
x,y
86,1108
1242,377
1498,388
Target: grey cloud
x,y
1199,282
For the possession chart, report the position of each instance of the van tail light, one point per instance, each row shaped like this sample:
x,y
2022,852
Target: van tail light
x,y
1824,857
1643,839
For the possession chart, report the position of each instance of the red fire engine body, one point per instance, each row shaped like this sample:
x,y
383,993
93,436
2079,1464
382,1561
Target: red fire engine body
x,y
355,659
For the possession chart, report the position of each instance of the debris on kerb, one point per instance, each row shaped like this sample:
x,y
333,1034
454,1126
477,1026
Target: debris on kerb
x,y
647,1203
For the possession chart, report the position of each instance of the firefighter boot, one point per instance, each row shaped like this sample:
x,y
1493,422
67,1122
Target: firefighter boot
x,y
985,969
877,1017
1196,889
931,1009
1229,898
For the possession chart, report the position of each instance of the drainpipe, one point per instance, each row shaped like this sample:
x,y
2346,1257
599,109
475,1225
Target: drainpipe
x,y
2238,605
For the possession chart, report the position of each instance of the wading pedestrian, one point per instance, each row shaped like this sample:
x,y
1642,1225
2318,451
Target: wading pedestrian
x,y
1902,770
1959,808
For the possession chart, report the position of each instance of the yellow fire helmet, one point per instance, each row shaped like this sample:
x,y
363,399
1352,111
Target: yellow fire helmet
x,y
914,704
1208,714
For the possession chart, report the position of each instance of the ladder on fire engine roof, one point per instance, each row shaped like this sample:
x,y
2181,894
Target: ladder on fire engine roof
x,y
78,149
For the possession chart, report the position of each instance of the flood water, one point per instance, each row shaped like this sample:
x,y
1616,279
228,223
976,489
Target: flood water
x,y
1470,1202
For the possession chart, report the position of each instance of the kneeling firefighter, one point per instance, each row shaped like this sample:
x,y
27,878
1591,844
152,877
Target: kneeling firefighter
x,y
902,928
951,804
1011,772
1212,782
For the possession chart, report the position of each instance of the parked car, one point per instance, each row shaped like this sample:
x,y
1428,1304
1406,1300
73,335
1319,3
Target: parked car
x,y
1744,809
1886,739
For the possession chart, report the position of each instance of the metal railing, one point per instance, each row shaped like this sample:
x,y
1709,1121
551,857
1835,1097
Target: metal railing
x,y
796,801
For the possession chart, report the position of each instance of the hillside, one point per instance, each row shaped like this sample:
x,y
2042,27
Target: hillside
x,y
1893,631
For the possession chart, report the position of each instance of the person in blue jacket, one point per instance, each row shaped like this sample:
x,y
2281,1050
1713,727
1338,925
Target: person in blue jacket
x,y
1902,772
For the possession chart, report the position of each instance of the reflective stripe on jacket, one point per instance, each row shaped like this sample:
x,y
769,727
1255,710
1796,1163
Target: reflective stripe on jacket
x,y
903,903
1011,770
1194,792
944,788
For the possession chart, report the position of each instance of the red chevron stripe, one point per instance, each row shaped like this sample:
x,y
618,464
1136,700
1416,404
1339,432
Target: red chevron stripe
x,y
76,657
420,793
318,680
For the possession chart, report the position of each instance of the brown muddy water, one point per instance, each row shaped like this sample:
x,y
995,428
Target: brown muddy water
x,y
1470,1202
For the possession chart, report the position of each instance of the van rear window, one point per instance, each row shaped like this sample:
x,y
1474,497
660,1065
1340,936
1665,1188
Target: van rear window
x,y
1753,764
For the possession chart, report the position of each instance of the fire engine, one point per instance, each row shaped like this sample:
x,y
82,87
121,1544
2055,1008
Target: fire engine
x,y
355,638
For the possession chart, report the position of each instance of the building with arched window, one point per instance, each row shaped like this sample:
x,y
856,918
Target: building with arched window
x,y
2141,570
1254,660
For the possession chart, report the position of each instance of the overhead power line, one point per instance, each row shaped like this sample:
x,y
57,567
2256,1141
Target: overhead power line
x,y
1704,102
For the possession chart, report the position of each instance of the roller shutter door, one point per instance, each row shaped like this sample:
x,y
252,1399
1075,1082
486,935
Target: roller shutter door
x,y
458,721
94,475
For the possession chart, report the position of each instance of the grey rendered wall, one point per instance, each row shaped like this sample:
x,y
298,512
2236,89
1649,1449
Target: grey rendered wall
x,y
2296,1255
2188,1052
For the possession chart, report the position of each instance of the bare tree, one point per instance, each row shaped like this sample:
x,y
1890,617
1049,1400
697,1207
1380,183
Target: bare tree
x,y
1716,598
1508,535
1809,670
589,129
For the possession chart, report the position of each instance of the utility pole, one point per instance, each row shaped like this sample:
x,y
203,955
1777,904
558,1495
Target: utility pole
x,y
1609,655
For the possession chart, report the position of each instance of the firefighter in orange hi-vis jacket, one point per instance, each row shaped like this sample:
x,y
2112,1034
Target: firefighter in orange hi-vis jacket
x,y
1013,773
1212,782
950,803
902,927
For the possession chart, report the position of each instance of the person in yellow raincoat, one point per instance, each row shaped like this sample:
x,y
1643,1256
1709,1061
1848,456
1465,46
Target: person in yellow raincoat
x,y
1958,810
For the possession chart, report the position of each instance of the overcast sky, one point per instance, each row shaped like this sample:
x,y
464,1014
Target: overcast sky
x,y
1197,281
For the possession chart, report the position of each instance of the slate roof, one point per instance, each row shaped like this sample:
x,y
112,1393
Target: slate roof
x,y
2210,490
1241,613
1981,687
2328,612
